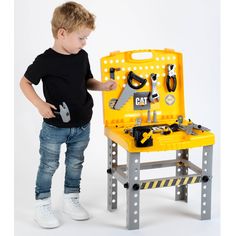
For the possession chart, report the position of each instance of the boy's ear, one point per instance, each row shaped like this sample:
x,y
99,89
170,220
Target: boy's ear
x,y
61,33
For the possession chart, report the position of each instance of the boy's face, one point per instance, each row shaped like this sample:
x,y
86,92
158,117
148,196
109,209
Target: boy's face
x,y
73,42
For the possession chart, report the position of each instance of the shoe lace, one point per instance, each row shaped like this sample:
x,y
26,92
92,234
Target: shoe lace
x,y
46,210
75,201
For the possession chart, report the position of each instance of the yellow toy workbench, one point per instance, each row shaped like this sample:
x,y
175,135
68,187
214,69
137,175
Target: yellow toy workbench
x,y
146,114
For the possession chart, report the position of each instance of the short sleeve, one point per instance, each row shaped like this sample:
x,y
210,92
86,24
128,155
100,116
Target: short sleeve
x,y
89,74
35,71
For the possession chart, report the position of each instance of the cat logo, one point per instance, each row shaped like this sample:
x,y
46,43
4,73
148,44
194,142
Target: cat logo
x,y
141,101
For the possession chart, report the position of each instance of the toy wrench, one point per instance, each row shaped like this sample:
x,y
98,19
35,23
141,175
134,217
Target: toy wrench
x,y
129,89
154,96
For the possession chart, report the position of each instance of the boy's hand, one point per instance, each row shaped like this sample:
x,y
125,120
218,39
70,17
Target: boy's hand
x,y
45,109
109,85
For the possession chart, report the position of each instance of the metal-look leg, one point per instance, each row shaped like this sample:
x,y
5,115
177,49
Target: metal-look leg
x,y
181,192
111,181
133,175
206,182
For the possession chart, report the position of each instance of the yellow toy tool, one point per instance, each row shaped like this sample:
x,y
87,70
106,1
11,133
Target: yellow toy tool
x,y
146,136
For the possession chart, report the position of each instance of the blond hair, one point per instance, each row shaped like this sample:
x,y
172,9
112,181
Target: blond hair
x,y
71,16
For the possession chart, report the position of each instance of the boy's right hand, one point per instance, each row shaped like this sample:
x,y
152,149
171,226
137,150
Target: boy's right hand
x,y
45,109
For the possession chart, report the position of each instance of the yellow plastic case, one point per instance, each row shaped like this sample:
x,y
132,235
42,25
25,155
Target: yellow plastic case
x,y
170,106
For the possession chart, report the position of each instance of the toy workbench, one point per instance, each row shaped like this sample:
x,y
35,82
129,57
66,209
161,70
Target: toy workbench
x,y
146,114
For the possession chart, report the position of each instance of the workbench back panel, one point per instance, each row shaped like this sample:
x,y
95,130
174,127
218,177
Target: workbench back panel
x,y
157,63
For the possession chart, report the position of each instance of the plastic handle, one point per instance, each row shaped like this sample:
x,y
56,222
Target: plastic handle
x,y
139,56
168,83
133,76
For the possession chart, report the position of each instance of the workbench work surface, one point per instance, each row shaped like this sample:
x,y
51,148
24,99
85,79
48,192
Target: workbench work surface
x,y
174,141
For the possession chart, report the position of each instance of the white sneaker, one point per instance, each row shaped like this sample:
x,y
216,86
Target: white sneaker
x,y
44,215
73,208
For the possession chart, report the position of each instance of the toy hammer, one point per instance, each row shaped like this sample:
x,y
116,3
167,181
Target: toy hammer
x,y
64,112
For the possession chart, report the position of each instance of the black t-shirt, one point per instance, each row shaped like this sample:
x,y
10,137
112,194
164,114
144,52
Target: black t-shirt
x,y
64,79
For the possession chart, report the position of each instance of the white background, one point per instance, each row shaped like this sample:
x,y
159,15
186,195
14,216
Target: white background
x,y
188,26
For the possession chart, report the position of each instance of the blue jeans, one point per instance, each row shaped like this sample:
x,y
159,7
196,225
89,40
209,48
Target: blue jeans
x,y
51,138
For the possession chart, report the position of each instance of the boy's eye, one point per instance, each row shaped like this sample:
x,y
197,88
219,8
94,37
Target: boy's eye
x,y
82,38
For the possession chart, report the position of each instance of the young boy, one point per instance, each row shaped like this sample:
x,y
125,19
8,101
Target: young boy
x,y
65,73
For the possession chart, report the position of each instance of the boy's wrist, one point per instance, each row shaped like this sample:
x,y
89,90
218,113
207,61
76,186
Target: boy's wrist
x,y
38,102
103,86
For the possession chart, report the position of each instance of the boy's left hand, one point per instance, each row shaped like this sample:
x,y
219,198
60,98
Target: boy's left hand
x,y
109,85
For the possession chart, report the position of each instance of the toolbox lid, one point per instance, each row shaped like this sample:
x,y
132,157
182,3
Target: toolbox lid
x,y
161,103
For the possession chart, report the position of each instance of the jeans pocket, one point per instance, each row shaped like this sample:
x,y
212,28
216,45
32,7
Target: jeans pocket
x,y
49,132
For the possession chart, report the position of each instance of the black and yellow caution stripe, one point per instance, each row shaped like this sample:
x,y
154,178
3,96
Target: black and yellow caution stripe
x,y
161,183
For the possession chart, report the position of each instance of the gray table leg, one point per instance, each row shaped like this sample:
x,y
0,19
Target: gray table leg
x,y
111,181
133,192
181,191
206,182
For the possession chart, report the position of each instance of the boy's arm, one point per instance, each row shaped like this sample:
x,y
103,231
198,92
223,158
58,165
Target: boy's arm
x,y
93,84
43,107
